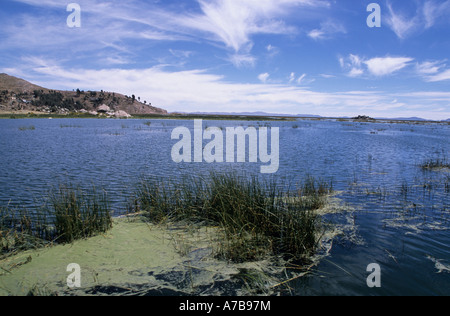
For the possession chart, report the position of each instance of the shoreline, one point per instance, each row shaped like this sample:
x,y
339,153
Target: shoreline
x,y
215,117
138,258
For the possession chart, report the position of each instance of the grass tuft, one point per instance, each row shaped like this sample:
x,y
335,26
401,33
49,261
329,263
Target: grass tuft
x,y
436,163
78,214
255,218
70,214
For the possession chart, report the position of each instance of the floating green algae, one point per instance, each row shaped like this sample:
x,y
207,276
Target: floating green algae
x,y
138,258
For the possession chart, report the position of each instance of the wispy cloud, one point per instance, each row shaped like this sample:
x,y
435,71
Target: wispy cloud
x,y
428,13
429,67
378,66
443,76
327,30
353,64
229,23
401,24
387,65
434,11
264,77
202,91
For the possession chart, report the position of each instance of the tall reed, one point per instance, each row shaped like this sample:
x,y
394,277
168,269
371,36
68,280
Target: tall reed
x,y
256,218
20,231
68,215
77,214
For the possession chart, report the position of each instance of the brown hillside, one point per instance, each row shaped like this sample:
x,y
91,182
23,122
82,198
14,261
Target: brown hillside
x,y
17,85
20,95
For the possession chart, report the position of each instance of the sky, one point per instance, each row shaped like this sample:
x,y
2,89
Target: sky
x,y
318,57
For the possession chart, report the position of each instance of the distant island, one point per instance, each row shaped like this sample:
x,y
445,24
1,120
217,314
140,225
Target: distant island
x,y
20,96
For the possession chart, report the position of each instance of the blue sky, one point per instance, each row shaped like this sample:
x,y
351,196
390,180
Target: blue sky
x,y
280,56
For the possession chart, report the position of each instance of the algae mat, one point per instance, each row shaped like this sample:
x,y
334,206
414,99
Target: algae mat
x,y
137,258
134,258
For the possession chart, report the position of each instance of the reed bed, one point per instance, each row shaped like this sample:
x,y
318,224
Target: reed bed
x,y
68,214
256,218
437,163
18,231
77,214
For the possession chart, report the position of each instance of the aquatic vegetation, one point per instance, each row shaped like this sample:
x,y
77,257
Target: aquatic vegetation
x,y
27,128
435,164
256,218
69,126
77,214
68,215
19,231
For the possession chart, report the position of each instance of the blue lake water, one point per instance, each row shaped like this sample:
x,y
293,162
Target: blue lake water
x,y
399,213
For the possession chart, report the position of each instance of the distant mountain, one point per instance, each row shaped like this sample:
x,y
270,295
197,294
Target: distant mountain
x,y
18,95
414,118
258,113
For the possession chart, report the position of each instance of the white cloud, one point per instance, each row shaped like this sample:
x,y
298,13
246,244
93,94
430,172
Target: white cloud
x,y
387,65
235,22
356,72
242,60
197,90
353,64
327,30
445,75
292,77
264,77
402,25
378,66
301,79
428,13
429,67
227,24
272,50
434,11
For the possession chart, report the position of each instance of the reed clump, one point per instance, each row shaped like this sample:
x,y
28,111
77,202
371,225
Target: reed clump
x,y
20,231
256,218
68,214
77,214
436,164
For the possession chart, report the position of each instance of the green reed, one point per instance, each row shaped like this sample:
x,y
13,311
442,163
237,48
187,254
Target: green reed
x,y
256,218
67,215
441,162
77,214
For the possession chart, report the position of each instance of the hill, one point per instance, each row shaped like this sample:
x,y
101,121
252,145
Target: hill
x,y
18,95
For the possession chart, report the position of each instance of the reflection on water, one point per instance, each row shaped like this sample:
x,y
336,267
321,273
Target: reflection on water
x,y
400,213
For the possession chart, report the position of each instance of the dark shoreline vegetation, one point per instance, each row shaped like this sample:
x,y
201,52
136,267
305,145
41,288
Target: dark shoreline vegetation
x,y
215,117
436,164
174,116
255,218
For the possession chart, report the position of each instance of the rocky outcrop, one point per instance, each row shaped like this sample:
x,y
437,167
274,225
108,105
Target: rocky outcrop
x,y
121,114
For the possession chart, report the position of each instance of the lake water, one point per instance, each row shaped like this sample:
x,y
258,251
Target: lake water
x,y
397,215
